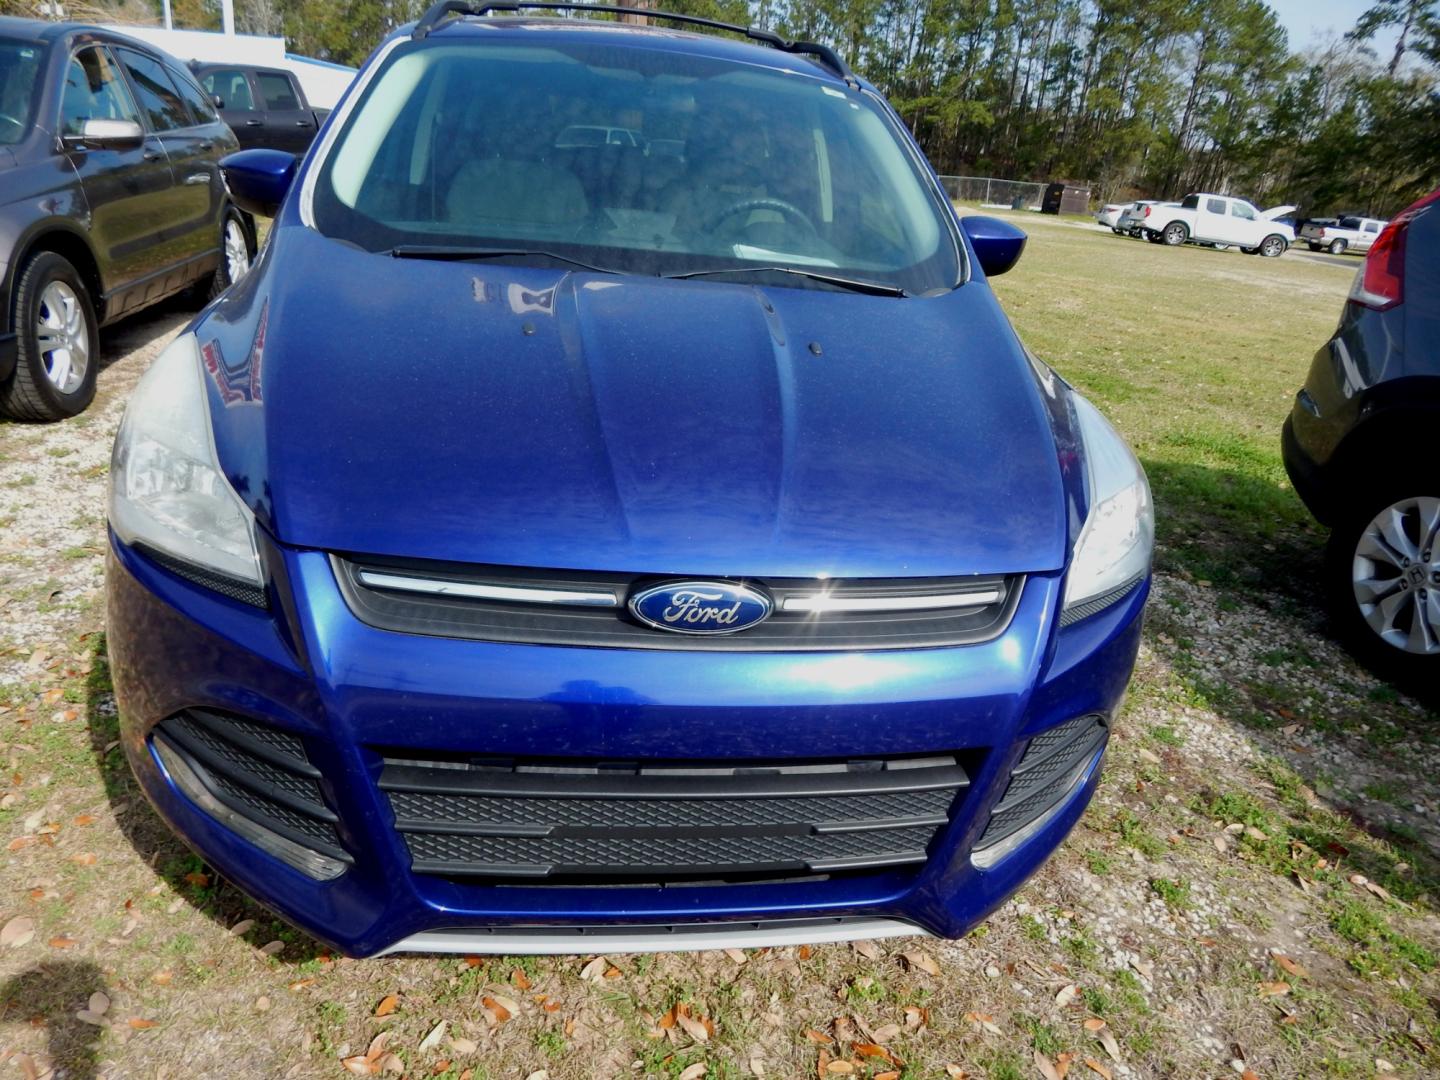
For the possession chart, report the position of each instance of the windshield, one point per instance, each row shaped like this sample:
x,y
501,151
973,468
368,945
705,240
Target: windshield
x,y
19,68
632,159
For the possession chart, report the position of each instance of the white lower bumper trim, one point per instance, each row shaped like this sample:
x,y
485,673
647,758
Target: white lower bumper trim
x,y
677,937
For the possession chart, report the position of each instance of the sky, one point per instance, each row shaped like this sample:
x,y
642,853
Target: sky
x,y
1310,22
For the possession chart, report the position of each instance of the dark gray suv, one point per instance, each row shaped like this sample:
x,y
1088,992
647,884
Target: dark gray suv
x,y
1360,449
111,198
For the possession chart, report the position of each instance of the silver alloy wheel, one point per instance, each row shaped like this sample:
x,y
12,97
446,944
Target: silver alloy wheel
x,y
62,336
1337,246
1396,575
1272,246
237,251
1174,234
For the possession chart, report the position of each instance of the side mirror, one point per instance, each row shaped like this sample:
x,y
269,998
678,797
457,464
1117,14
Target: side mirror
x,y
258,179
110,134
218,100
997,243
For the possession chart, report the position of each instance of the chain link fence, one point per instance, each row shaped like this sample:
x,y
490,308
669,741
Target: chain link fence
x,y
992,192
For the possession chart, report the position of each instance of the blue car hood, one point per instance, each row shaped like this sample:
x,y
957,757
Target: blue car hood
x,y
486,413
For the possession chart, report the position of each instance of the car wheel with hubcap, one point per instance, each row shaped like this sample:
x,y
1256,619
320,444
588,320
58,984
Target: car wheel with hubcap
x,y
58,343
236,253
1273,247
1175,234
1337,247
1384,579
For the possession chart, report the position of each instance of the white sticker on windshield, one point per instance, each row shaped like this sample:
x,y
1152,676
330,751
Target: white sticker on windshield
x,y
833,92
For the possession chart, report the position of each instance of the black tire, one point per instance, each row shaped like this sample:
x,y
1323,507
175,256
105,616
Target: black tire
x,y
1415,671
1337,247
1117,232
30,393
1154,237
209,288
1175,234
1316,247
1273,246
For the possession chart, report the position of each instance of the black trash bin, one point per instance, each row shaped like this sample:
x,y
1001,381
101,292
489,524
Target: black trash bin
x,y
1066,197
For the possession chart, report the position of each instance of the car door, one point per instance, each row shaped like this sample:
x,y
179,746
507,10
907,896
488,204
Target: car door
x,y
1211,220
1246,228
1368,232
288,126
128,189
238,107
192,227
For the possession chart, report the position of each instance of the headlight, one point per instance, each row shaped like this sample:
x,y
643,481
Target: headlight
x,y
166,488
1115,545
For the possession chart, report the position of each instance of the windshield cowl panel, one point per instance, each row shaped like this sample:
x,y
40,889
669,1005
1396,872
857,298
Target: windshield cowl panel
x,y
634,159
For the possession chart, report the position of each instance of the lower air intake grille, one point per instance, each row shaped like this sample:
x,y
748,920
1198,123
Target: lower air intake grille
x,y
592,822
259,773
1046,773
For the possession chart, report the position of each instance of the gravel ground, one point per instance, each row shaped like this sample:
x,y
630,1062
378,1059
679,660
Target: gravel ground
x,y
1252,892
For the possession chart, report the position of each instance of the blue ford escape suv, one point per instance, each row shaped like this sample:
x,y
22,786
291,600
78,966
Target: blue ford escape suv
x,y
557,544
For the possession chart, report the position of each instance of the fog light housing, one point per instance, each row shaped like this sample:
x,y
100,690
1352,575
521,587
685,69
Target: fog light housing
x,y
1048,773
182,773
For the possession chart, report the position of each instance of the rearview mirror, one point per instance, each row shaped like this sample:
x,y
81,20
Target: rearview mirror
x,y
259,179
111,134
997,243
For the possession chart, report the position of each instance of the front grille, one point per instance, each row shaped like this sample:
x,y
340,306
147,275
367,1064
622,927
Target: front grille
x,y
589,608
577,822
1046,773
258,772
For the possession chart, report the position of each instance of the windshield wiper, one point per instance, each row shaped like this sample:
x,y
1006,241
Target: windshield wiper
x,y
874,288
443,253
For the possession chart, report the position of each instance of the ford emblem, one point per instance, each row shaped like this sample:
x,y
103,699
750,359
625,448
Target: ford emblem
x,y
701,607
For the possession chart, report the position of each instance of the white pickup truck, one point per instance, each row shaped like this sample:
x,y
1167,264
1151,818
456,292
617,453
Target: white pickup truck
x,y
1347,234
1219,220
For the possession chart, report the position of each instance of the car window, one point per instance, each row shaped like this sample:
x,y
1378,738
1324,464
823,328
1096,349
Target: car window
x,y
1372,226
481,145
1215,206
231,87
94,90
199,103
1242,210
1191,202
158,98
1349,223
20,65
275,88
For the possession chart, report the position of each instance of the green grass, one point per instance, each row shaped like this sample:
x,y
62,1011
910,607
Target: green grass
x,y
1175,892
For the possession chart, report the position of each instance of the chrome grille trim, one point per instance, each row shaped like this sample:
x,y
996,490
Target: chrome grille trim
x,y
827,603
476,590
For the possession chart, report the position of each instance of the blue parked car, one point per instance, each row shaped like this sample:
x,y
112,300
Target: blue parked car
x,y
559,544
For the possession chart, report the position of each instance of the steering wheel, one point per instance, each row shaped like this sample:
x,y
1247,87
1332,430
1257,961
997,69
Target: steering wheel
x,y
744,206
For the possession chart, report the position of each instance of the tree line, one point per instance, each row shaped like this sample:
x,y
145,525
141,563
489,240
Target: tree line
x,y
1137,97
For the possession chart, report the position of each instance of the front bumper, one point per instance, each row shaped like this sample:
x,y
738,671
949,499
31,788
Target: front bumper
x,y
308,667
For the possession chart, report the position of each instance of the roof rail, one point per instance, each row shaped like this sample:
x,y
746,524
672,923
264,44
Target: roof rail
x,y
824,53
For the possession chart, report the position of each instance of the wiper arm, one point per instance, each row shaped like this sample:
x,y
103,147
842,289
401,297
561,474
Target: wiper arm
x,y
444,253
874,288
